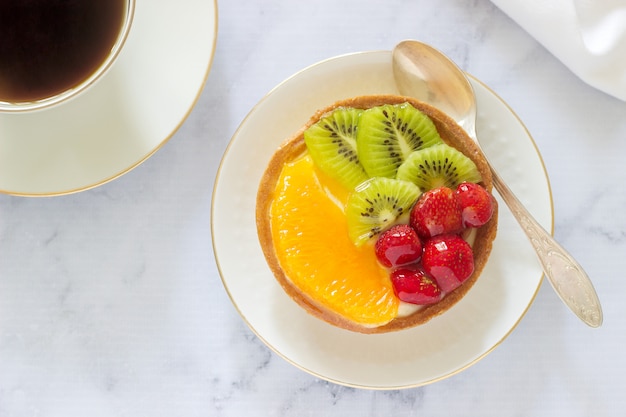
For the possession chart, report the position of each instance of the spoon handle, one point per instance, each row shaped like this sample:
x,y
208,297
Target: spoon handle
x,y
567,277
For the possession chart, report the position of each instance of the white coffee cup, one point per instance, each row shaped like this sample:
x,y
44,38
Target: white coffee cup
x,y
24,93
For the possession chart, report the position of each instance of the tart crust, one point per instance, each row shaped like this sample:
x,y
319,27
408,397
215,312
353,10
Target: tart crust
x,y
294,146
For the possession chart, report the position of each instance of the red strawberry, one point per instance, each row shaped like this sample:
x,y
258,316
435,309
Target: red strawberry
x,y
412,285
477,204
436,212
397,246
449,260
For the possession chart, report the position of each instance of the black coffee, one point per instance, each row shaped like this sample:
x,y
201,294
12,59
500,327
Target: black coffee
x,y
48,46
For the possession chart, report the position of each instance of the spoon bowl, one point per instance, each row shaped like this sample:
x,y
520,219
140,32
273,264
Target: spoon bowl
x,y
423,72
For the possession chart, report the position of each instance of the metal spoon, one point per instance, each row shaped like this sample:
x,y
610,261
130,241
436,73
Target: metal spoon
x,y
425,73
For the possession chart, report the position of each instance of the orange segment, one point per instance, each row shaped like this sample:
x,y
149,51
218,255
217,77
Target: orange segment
x,y
312,245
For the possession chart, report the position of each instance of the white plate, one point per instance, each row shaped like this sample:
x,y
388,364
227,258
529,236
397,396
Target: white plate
x,y
123,119
413,357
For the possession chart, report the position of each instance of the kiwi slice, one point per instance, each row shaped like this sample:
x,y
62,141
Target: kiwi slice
x,y
375,205
331,142
437,166
388,134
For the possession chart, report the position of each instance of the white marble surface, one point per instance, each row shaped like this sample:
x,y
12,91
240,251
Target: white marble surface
x,y
111,303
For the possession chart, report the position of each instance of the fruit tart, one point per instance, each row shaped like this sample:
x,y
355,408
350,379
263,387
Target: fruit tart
x,y
377,215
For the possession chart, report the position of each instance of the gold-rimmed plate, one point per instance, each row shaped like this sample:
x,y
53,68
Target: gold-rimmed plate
x,y
123,119
413,357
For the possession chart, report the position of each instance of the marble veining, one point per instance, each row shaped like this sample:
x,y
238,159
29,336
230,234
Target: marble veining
x,y
111,302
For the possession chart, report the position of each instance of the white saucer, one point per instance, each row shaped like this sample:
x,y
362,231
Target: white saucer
x,y
444,346
123,119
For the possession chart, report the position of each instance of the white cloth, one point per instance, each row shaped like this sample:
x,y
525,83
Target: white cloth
x,y
588,36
